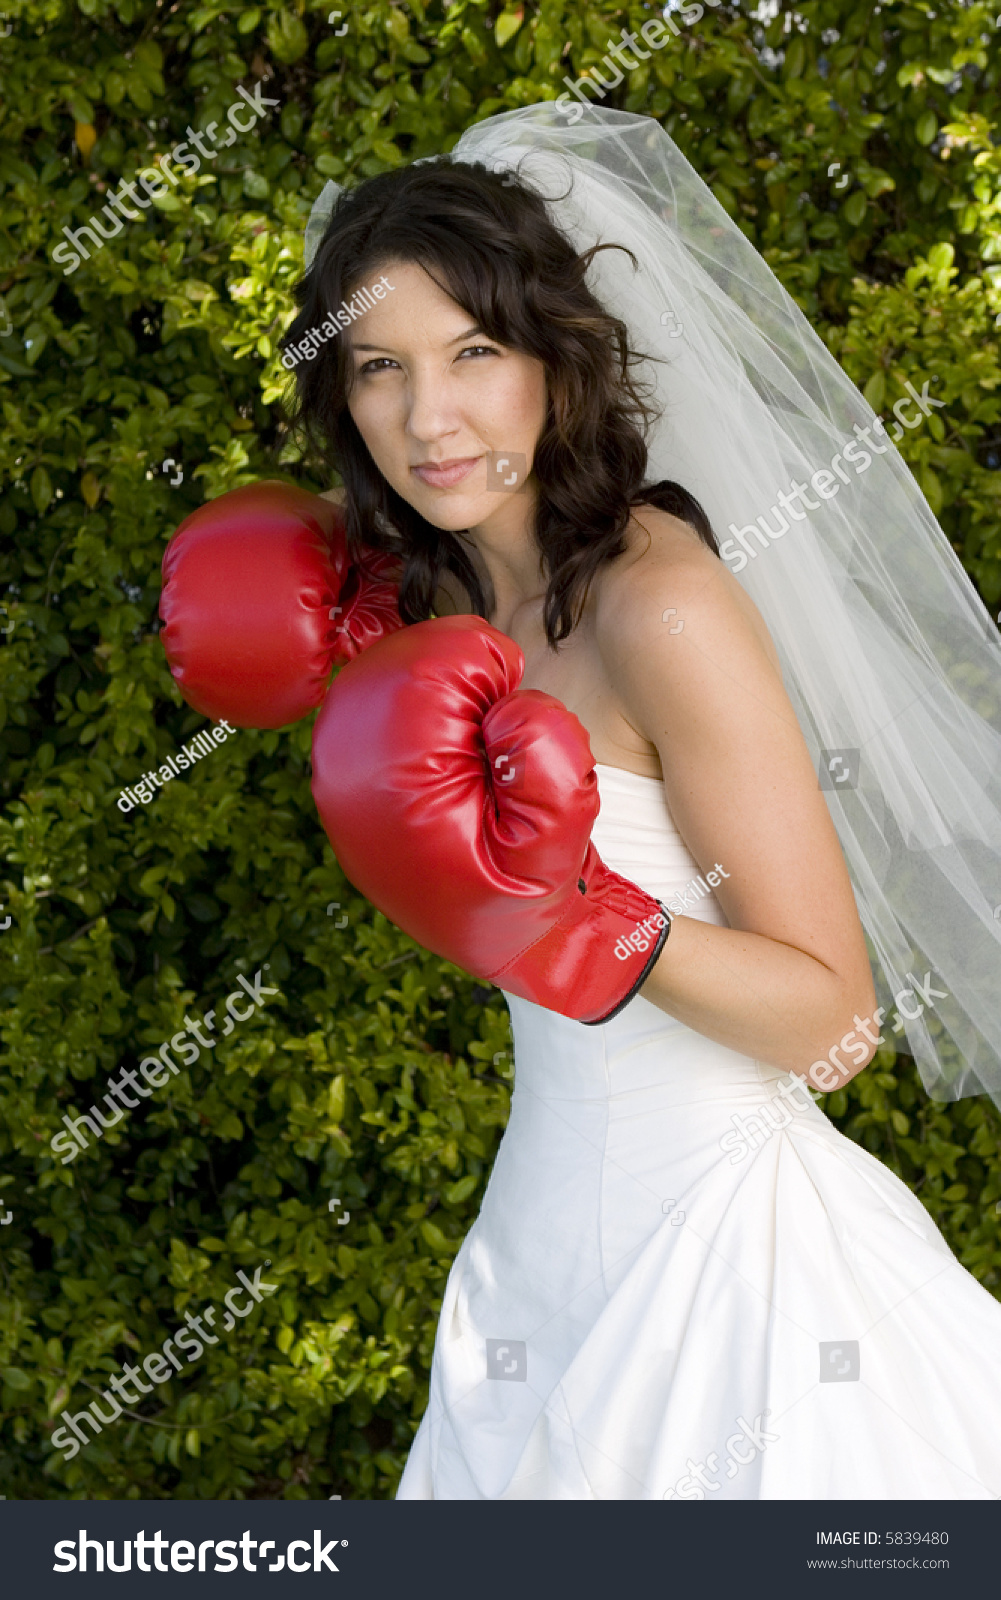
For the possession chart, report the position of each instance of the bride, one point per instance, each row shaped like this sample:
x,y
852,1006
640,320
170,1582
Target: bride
x,y
683,1283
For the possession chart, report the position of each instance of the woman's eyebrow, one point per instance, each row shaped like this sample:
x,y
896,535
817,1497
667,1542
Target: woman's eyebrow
x,y
470,333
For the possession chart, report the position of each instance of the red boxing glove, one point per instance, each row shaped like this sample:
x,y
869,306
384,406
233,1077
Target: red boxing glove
x,y
462,807
261,601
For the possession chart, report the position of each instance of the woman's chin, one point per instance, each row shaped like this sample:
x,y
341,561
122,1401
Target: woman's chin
x,y
452,512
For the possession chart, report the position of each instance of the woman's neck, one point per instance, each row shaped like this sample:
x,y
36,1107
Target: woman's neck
x,y
507,561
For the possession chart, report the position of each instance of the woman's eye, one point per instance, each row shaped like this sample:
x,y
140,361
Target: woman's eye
x,y
386,363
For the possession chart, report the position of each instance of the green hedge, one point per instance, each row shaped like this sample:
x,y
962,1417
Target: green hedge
x,y
378,1076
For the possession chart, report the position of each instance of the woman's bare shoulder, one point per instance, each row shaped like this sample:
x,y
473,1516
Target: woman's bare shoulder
x,y
664,559
335,496
655,537
668,566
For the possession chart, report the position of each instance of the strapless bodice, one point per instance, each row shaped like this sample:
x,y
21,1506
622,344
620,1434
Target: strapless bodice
x,y
635,834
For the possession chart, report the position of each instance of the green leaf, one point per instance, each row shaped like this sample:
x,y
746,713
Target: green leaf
x,y
475,47
507,25
875,389
203,907
877,183
926,127
138,93
41,489
941,256
795,57
291,121
457,1192
931,488
149,54
396,25
287,37
387,152
435,1238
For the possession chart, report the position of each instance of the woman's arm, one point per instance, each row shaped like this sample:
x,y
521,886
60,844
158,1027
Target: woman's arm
x,y
790,977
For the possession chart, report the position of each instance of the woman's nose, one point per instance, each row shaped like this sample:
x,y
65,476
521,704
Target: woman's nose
x,y
431,412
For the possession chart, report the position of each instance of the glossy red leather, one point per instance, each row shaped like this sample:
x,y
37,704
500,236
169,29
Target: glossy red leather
x,y
462,807
260,602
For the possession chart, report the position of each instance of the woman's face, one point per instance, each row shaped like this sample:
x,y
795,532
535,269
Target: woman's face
x,y
451,418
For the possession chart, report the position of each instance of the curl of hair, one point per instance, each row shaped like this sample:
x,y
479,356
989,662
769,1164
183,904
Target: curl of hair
x,y
489,243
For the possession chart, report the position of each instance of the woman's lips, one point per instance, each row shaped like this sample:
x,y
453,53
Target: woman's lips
x,y
443,474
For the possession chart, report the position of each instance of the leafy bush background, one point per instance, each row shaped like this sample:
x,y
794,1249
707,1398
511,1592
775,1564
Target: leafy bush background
x,y
381,1074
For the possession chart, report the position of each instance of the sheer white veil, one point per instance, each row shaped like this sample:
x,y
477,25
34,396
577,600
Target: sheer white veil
x,y
891,661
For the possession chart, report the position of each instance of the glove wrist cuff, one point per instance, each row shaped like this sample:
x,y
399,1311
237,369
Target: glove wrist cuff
x,y
602,950
640,979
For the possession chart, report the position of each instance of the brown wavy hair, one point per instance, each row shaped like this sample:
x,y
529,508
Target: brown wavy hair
x,y
489,243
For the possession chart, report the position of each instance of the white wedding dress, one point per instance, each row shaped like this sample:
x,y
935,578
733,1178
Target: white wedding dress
x,y
642,1312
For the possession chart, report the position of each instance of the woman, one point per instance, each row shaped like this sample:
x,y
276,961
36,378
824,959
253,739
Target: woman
x,y
683,1281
